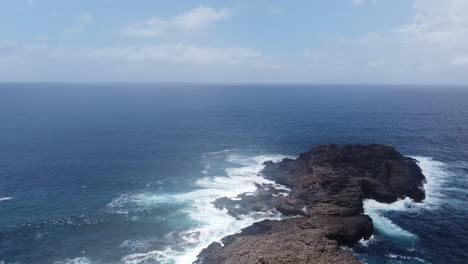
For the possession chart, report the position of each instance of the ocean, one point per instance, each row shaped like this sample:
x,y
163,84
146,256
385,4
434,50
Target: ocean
x,y
100,173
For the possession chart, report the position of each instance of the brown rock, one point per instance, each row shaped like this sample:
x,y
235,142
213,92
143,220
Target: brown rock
x,y
328,185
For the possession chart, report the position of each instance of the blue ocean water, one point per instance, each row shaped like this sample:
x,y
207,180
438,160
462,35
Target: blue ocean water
x,y
126,173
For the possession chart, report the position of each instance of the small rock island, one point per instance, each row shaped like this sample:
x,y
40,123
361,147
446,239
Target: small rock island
x,y
328,185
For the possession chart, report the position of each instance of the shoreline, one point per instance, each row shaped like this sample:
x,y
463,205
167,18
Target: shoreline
x,y
329,184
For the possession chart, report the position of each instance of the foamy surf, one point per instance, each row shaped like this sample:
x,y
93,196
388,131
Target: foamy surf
x,y
382,223
213,224
366,243
80,260
436,175
400,258
5,199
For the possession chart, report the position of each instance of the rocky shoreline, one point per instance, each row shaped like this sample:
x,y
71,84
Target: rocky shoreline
x,y
328,185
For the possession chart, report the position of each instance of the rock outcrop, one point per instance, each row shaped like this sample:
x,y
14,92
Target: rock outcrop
x,y
328,185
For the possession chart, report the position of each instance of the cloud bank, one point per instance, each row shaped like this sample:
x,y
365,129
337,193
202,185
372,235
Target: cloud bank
x,y
193,20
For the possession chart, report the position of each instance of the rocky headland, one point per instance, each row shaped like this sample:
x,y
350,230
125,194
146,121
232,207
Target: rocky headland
x,y
328,185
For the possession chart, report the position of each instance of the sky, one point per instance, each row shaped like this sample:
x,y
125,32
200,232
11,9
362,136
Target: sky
x,y
242,41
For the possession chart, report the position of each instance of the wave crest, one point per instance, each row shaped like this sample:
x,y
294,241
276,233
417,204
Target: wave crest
x,y
436,175
5,199
242,175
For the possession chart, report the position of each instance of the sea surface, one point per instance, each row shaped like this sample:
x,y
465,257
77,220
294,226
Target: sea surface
x,y
127,173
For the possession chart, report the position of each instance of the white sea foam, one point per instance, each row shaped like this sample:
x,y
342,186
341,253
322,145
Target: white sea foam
x,y
384,224
136,244
5,262
399,257
436,175
367,242
214,224
208,160
80,260
5,199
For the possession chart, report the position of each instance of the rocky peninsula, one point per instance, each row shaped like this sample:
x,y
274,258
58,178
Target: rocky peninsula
x,y
328,185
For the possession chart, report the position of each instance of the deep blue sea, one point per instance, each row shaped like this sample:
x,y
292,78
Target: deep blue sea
x,y
127,173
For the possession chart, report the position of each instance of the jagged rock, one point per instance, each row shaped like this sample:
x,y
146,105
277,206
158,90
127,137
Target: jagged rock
x,y
328,186
264,199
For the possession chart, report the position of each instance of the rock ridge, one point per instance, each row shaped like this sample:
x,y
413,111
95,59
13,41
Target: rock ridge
x,y
328,185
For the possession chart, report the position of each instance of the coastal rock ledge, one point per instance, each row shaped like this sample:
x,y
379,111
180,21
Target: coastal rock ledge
x,y
328,185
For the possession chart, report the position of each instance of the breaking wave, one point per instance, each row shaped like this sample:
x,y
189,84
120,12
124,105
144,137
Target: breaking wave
x,y
5,199
241,175
436,175
80,260
400,258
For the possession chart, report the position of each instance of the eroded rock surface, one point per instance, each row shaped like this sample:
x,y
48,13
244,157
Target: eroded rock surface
x,y
328,186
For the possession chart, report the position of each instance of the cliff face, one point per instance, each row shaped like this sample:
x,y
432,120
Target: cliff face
x,y
328,186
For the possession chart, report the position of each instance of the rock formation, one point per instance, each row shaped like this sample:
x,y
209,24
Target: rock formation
x,y
328,185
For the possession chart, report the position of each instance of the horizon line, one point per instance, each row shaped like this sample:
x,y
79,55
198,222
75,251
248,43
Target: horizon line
x,y
237,83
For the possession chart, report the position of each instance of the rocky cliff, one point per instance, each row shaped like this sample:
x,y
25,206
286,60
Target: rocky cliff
x,y
328,185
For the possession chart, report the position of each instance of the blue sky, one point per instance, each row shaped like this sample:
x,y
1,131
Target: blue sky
x,y
303,41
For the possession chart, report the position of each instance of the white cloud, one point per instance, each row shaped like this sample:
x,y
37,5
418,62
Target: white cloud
x,y
308,53
85,18
433,46
369,39
14,52
358,2
378,63
274,9
442,23
438,32
361,2
460,61
9,47
190,21
35,47
80,25
179,53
